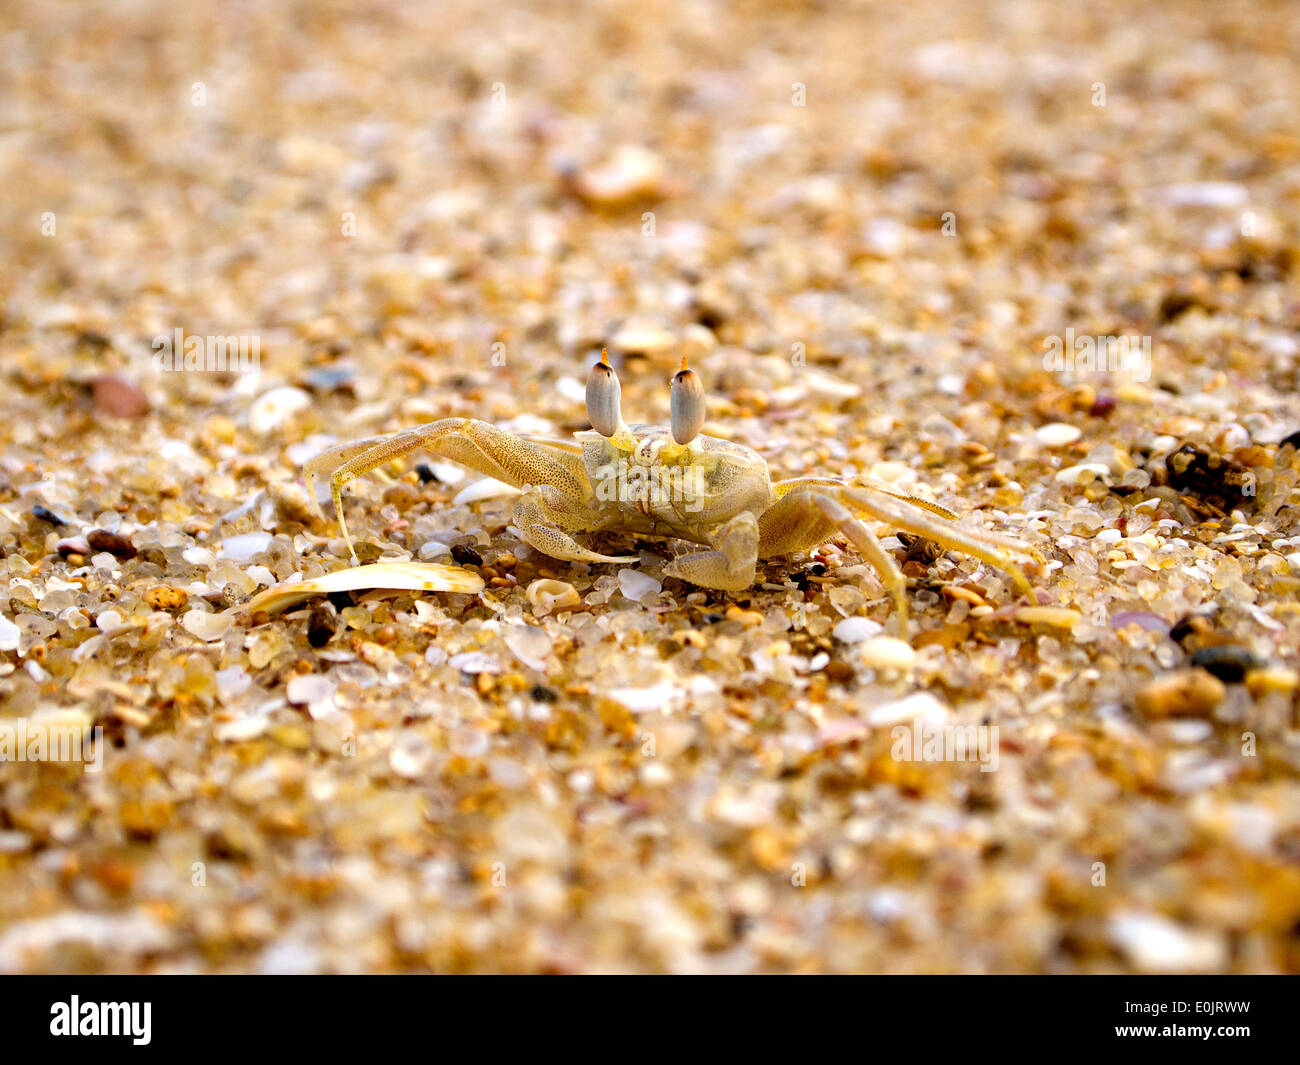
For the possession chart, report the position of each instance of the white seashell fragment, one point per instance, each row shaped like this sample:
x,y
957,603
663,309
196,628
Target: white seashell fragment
x,y
243,548
856,630
1084,473
314,691
642,700
474,662
390,576
206,625
530,644
8,635
887,652
636,585
271,409
548,595
486,488
922,706
1058,434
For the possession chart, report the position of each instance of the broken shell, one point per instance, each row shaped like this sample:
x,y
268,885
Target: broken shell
x,y
549,595
386,576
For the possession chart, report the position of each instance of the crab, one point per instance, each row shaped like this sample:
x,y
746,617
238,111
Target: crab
x,y
671,482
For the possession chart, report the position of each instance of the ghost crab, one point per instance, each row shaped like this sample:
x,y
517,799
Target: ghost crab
x,y
674,483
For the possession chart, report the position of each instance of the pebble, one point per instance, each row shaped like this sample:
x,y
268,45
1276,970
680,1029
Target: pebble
x,y
116,545
1058,434
232,682
118,396
643,700
484,488
1055,616
242,729
637,585
1272,679
1228,662
475,662
272,409
856,630
642,338
9,635
411,757
431,549
44,514
920,706
1155,944
1190,692
206,625
887,652
1084,473
465,556
530,644
312,690
632,173
291,499
748,618
73,545
1202,194
243,548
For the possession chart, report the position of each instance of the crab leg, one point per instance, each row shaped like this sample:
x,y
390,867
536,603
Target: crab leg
x,y
865,541
478,445
987,547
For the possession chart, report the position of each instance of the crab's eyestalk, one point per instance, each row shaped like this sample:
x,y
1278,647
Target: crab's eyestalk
x,y
604,398
686,404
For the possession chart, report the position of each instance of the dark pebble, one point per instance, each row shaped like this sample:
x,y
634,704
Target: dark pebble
x,y
1293,440
1200,472
466,556
1227,662
320,627
1192,625
425,473
45,514
118,546
119,397
541,694
1103,405
340,600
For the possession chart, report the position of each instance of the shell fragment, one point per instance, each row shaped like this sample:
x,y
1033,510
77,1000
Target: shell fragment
x,y
377,576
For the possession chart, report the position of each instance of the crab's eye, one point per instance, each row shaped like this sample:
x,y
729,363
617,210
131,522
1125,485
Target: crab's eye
x,y
686,404
604,398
